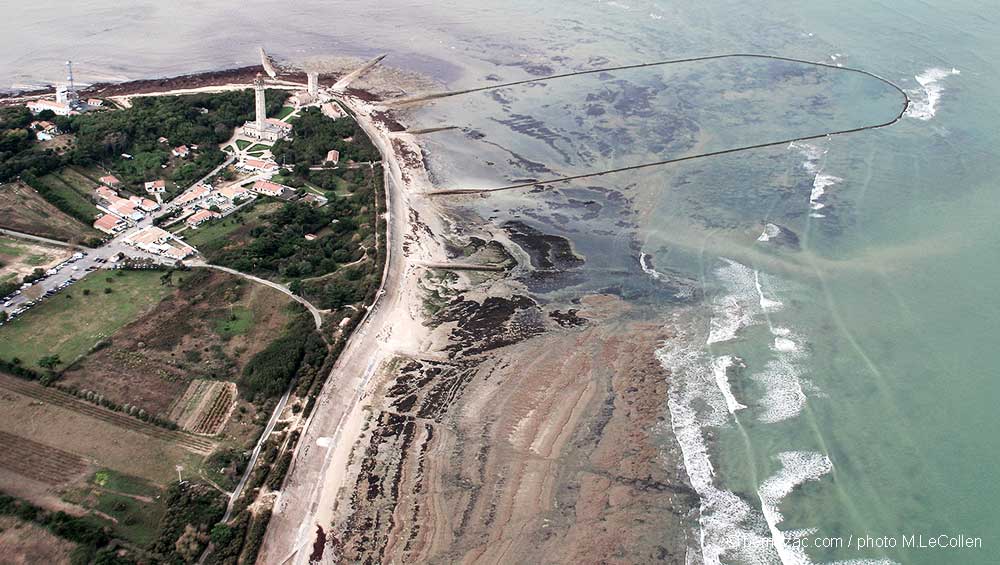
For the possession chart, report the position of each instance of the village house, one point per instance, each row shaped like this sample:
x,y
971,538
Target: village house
x,y
315,199
332,157
110,181
95,102
200,217
125,209
144,204
181,151
257,166
301,99
107,195
268,188
235,192
190,195
159,241
156,187
59,108
110,224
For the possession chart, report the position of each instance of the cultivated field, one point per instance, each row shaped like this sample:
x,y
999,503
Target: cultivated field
x,y
23,209
204,407
72,322
76,189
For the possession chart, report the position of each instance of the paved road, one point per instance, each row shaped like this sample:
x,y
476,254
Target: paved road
x,y
293,523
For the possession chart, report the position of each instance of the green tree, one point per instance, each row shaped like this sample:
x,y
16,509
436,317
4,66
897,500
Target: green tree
x,y
49,361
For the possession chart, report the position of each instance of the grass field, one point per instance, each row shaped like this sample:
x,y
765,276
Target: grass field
x,y
214,235
132,503
242,144
23,209
285,112
237,322
70,323
260,147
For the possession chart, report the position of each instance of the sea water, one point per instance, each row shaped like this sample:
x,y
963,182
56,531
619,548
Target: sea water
x,y
834,392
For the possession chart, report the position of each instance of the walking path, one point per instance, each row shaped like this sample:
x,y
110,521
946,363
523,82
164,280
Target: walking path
x,y
317,314
39,239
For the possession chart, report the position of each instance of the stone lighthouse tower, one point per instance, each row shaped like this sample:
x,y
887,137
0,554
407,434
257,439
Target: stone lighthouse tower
x,y
258,90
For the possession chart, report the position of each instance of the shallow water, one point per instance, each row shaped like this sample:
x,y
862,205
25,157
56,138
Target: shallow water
x,y
846,376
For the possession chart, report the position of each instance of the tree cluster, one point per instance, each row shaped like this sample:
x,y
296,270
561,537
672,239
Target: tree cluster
x,y
313,135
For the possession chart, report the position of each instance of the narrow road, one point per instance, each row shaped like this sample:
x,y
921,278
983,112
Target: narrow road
x,y
317,314
233,496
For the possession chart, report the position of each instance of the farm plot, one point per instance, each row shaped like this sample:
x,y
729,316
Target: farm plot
x,y
38,461
69,402
204,407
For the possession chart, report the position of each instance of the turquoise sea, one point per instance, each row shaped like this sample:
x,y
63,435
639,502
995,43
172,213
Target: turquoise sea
x,y
834,376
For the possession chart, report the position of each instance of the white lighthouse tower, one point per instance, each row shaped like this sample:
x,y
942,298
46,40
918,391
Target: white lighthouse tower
x,y
261,127
261,107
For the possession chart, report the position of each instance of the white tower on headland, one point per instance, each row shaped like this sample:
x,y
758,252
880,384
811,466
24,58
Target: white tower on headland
x,y
313,81
258,90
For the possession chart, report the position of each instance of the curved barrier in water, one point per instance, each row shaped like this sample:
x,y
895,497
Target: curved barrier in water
x,y
541,183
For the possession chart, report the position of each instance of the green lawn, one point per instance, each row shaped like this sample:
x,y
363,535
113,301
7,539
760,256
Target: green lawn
x,y
242,144
255,153
285,111
10,247
70,323
132,501
260,147
213,235
237,322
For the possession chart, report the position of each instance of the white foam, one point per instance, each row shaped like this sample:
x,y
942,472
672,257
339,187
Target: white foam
x,y
720,369
797,467
924,102
821,181
646,268
785,345
733,311
729,526
783,397
766,304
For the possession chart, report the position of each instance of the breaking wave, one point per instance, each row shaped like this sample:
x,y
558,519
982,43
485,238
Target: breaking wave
x,y
797,467
821,181
729,525
924,101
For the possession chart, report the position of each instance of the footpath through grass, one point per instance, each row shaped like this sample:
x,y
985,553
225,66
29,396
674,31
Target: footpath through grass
x,y
71,322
